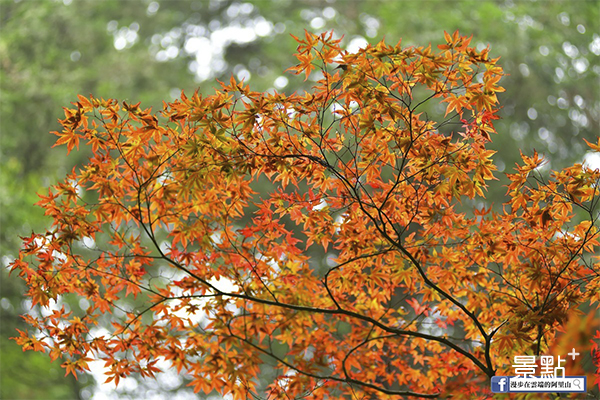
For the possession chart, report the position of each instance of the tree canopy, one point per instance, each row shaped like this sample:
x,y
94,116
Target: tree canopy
x,y
338,236
148,50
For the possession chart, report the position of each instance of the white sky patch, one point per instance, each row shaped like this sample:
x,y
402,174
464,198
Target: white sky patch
x,y
291,112
243,75
372,25
594,46
592,160
209,48
88,242
329,12
262,27
6,260
125,37
217,237
336,107
199,317
322,204
224,285
281,82
339,220
168,379
561,234
59,255
84,303
317,23
54,305
6,304
339,59
544,166
331,260
152,8
195,318
284,381
107,391
274,264
356,44
165,246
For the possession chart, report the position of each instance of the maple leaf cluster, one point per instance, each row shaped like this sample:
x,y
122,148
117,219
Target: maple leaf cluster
x,y
336,235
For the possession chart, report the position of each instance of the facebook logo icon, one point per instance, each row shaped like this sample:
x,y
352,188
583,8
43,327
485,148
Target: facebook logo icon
x,y
499,384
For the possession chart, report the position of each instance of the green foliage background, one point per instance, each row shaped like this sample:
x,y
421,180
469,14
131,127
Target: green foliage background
x,y
50,51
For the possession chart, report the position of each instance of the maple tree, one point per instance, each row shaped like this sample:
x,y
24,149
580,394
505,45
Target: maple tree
x,y
326,233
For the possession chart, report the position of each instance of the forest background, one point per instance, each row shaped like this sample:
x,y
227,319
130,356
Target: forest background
x,y
149,51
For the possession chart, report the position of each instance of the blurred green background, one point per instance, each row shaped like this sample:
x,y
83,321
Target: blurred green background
x,y
150,50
